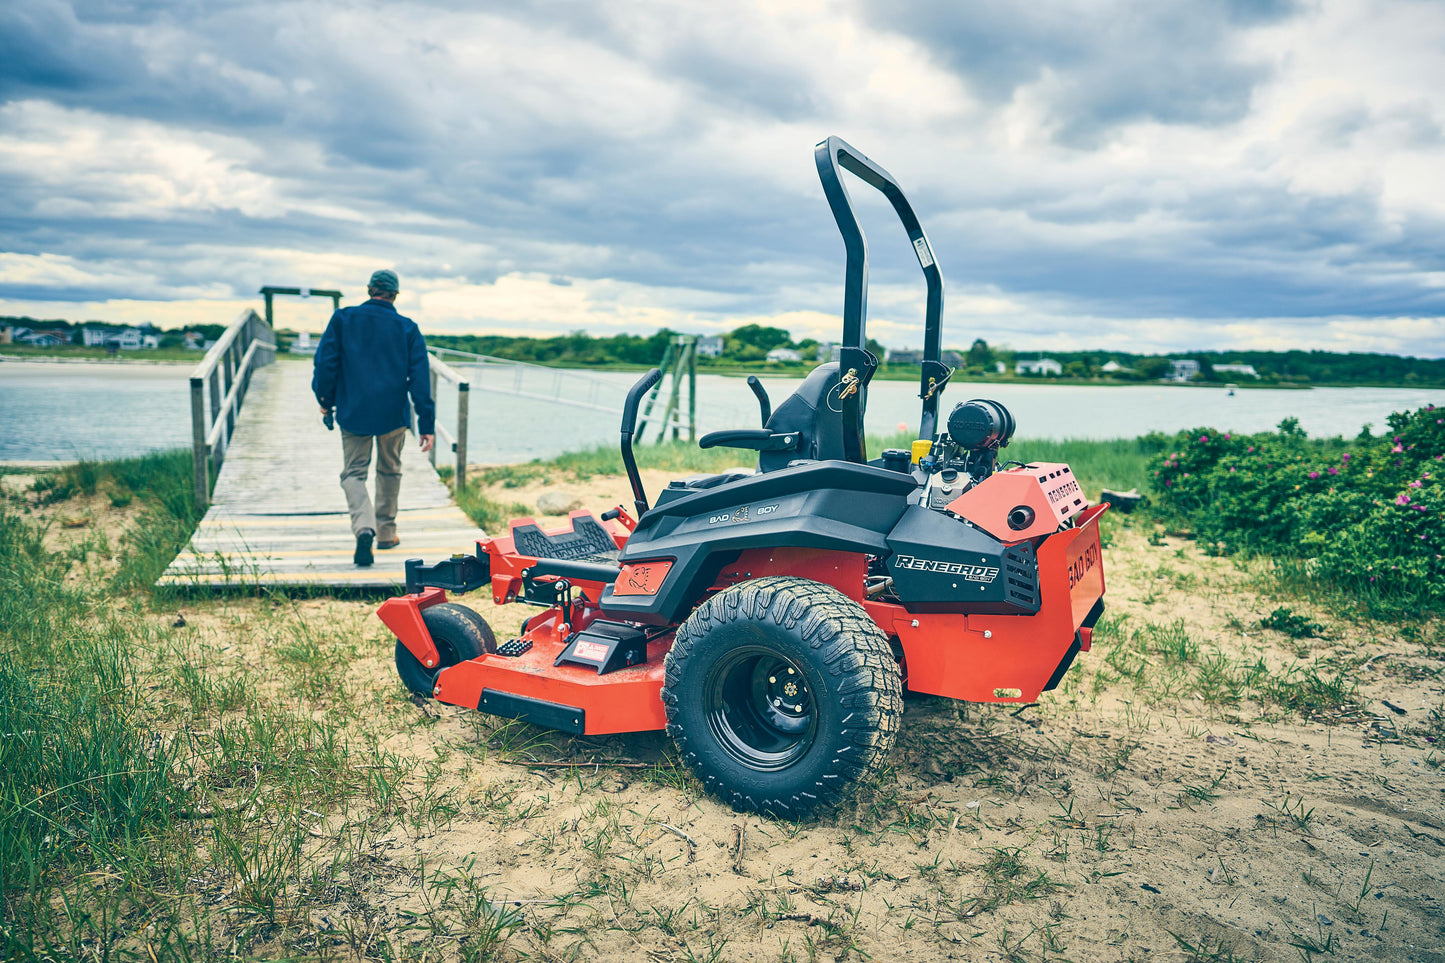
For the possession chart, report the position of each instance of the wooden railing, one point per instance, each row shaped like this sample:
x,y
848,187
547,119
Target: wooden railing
x,y
440,370
246,345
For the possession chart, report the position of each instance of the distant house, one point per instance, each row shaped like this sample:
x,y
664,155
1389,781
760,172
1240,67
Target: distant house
x,y
1000,367
1113,367
1247,370
150,341
129,339
7,333
1183,370
951,358
784,355
94,337
1047,367
710,346
46,339
904,356
824,351
303,344
192,340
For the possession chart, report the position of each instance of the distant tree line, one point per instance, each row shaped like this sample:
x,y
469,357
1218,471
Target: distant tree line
x,y
749,345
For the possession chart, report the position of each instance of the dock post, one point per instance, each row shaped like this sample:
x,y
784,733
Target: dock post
x,y
198,441
433,452
464,396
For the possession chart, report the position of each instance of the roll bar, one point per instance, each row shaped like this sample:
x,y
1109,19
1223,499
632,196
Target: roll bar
x,y
829,156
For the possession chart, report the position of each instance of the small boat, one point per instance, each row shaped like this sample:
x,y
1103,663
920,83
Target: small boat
x,y
1229,389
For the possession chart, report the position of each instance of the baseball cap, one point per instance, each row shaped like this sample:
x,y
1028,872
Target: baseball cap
x,y
384,280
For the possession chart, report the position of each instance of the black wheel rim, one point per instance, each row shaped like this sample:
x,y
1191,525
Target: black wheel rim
x,y
760,708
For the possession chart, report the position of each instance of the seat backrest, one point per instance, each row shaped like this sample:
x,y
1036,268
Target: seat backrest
x,y
813,411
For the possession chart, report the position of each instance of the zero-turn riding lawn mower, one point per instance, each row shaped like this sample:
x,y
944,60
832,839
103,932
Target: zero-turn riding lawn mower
x,y
770,620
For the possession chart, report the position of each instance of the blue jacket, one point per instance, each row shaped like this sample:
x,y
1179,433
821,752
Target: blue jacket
x,y
368,360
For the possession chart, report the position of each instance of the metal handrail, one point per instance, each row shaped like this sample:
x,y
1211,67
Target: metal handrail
x,y
441,370
240,350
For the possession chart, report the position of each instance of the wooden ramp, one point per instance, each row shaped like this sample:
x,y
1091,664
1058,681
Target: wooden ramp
x,y
278,516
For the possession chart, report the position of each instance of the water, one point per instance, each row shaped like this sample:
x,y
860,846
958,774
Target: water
x,y
63,411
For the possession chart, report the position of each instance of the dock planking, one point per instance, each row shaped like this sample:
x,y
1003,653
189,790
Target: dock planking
x,y
278,517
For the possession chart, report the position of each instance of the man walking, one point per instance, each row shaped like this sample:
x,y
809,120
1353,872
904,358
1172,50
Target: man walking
x,y
368,360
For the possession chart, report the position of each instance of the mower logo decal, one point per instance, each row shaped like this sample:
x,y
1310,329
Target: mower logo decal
x,y
1063,491
741,515
641,578
970,573
1080,566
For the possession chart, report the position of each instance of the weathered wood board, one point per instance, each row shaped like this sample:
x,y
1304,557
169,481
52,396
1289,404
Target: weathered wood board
x,y
278,516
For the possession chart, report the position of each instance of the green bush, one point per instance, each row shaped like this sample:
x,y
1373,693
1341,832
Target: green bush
x,y
1366,514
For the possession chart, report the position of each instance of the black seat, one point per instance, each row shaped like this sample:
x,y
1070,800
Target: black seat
x,y
813,412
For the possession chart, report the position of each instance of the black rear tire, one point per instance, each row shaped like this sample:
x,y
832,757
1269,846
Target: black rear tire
x,y
782,695
459,634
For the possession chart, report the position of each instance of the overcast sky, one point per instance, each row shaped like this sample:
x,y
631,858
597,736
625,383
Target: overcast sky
x,y
1127,174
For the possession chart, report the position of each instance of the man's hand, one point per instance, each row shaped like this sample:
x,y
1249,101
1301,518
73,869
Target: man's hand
x,y
324,409
427,441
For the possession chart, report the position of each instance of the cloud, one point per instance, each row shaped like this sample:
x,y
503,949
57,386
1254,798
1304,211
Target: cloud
x,y
1131,172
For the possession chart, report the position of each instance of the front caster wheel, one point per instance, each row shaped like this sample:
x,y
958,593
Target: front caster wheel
x,y
458,633
781,695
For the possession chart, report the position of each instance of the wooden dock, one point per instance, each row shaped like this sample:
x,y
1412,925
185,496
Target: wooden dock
x,y
278,517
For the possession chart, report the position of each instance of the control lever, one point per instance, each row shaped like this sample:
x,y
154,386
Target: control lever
x,y
762,396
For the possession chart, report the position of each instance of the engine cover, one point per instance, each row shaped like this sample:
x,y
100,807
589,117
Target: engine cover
x,y
941,564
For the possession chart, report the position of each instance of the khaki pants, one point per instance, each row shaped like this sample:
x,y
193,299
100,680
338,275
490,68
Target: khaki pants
x,y
356,453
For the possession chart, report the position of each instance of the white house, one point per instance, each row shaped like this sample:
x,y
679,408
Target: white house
x,y
94,337
784,355
192,340
710,346
129,339
150,341
1047,367
1240,369
1113,367
1183,370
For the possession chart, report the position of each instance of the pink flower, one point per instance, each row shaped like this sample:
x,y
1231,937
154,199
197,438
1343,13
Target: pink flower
x,y
1421,508
1167,483
1314,474
1334,470
1231,469
1226,436
1398,449
1251,449
1345,457
1416,484
1402,499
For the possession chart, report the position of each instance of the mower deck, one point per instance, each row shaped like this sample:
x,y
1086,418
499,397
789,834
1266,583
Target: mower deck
x,y
566,697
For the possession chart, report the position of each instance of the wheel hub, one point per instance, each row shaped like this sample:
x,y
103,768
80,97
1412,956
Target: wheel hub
x,y
760,708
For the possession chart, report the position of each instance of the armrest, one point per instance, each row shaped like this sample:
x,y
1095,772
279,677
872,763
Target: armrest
x,y
753,439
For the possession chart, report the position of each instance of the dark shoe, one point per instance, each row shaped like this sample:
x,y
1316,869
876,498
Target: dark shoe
x,y
391,544
363,547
